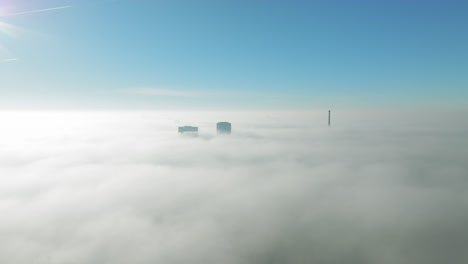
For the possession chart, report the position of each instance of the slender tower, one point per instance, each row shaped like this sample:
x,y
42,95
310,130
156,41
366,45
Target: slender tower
x,y
329,117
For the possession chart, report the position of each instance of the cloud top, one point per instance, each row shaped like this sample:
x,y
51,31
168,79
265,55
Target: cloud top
x,y
283,188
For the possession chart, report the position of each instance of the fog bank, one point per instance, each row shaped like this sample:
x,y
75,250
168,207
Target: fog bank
x,y
124,188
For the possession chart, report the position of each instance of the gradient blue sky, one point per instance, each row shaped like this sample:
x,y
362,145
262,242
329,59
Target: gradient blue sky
x,y
234,54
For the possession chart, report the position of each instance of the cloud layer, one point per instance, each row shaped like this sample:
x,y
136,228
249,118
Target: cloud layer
x,y
164,92
125,188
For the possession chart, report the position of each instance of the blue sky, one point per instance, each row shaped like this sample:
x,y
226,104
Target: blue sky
x,y
235,55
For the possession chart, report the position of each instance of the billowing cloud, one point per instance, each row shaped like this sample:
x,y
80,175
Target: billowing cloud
x,y
283,188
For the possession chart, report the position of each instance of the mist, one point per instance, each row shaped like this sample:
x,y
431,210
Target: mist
x,y
125,187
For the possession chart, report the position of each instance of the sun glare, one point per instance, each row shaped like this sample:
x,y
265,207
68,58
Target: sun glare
x,y
3,11
9,29
14,31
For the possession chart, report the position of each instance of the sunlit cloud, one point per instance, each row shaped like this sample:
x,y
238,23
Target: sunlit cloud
x,y
192,93
124,187
9,60
164,92
15,31
36,11
9,29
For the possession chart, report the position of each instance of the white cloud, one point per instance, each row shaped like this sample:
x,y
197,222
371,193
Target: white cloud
x,y
284,188
37,11
164,92
197,93
9,60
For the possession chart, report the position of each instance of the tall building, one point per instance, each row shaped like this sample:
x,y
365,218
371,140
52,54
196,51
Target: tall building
x,y
223,128
190,129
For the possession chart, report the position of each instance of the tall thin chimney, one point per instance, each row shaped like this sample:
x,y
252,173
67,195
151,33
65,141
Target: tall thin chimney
x,y
329,117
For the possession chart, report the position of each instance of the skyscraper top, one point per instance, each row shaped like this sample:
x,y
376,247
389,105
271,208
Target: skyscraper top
x,y
223,127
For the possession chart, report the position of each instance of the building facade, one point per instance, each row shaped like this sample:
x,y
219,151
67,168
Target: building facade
x,y
190,129
224,128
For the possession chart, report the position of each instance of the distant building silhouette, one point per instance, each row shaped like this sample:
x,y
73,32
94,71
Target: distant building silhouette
x,y
189,129
223,128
